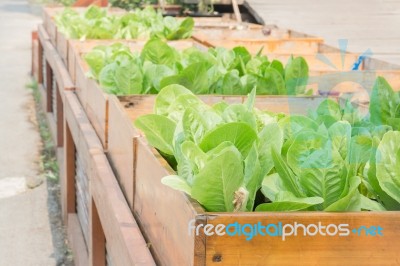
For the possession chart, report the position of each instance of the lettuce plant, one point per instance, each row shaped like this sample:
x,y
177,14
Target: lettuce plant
x,y
225,155
216,71
144,24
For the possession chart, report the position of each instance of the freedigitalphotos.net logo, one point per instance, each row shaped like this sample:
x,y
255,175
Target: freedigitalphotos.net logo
x,y
282,230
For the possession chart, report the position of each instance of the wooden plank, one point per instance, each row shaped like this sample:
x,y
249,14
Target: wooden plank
x,y
97,246
163,213
295,46
97,110
320,61
124,238
67,181
62,46
49,87
82,132
81,82
62,76
76,241
307,250
42,33
60,118
121,145
35,62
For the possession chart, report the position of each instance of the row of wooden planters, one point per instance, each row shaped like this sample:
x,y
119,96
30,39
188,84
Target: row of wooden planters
x,y
101,227
104,194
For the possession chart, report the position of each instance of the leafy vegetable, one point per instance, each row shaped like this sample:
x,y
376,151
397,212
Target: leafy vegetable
x,y
148,23
218,70
227,154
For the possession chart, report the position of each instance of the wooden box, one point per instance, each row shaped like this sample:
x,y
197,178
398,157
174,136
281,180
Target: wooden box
x,y
277,41
91,96
122,136
115,235
58,39
94,208
57,81
167,216
81,143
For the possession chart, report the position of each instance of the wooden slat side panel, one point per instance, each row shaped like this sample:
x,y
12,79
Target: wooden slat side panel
x,y
82,196
163,213
82,132
68,178
42,33
62,46
97,247
97,109
125,241
277,46
321,61
36,67
49,87
60,118
121,146
72,54
62,76
308,250
81,83
76,241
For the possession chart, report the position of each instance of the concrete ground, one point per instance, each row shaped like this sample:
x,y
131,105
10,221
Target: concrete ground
x,y
30,228
371,24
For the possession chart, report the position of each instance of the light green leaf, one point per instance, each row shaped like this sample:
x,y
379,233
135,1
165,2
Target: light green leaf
x,y
371,205
178,183
168,96
321,170
215,185
286,201
388,164
159,131
351,201
296,75
240,134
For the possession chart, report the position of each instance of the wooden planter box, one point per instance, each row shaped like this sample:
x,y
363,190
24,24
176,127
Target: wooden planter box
x,y
91,96
122,136
278,41
57,80
100,223
81,143
165,214
122,242
58,39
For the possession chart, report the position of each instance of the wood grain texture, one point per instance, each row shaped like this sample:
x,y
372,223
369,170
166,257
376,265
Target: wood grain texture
x,y
163,213
97,109
60,118
62,46
97,245
35,61
307,250
121,146
295,45
76,241
126,244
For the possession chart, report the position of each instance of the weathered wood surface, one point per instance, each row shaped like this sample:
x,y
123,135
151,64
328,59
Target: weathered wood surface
x,y
76,241
125,242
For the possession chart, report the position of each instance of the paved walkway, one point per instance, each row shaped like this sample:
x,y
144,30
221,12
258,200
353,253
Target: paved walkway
x,y
25,229
371,24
